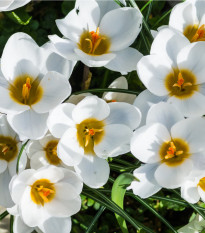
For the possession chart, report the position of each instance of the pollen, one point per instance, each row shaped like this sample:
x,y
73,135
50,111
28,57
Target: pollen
x,y
42,191
93,43
195,32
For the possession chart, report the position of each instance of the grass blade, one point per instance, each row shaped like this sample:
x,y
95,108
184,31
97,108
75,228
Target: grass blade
x,y
4,214
19,156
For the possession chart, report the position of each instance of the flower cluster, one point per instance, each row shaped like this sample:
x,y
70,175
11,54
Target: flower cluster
x,y
67,139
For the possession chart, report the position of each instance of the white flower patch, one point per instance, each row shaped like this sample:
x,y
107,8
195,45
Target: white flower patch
x,y
99,33
32,85
90,132
45,198
10,5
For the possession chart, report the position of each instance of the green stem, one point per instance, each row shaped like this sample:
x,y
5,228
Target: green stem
x,y
11,223
19,156
4,214
95,219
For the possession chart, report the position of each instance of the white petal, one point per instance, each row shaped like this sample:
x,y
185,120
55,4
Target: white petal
x,y
182,15
54,225
201,193
65,191
17,4
93,170
65,208
39,160
8,105
190,107
29,124
172,177
200,10
192,58
89,108
116,25
192,131
168,43
147,140
64,47
5,4
32,147
199,161
116,141
3,165
94,61
75,99
106,6
147,185
60,119
189,191
124,113
165,114
5,128
5,197
55,89
21,49
69,150
144,101
125,61
20,227
45,140
152,71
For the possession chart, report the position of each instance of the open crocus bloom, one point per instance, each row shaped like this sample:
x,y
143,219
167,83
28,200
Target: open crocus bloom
x,y
10,146
39,193
99,35
175,69
189,18
9,5
90,132
29,85
171,147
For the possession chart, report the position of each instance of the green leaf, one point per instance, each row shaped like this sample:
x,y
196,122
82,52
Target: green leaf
x,y
19,156
3,215
118,193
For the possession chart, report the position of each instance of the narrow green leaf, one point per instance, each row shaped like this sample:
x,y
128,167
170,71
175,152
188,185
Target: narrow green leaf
x,y
147,4
3,215
95,219
118,193
149,11
11,223
19,20
19,156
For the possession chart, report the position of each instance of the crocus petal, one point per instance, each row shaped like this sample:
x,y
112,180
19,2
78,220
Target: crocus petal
x,y
173,177
5,197
16,4
3,165
5,4
8,105
152,71
124,113
147,185
55,89
53,225
29,124
168,43
200,6
116,25
182,15
192,131
64,47
20,227
189,191
93,170
165,114
94,61
39,160
144,101
147,140
201,193
21,49
32,147
106,6
69,150
65,191
125,60
5,128
89,108
116,141
60,119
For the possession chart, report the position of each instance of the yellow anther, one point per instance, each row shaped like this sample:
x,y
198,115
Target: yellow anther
x,y
89,133
180,82
172,151
26,90
200,33
5,149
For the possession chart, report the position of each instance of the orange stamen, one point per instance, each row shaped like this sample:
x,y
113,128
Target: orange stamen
x,y
199,34
26,89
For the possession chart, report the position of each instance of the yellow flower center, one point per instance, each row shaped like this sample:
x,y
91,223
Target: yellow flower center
x,y
174,152
8,148
26,90
51,152
94,43
201,183
195,33
181,84
42,191
89,133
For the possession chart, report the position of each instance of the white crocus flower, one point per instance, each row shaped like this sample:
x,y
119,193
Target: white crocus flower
x,y
10,146
32,85
39,193
10,5
99,35
43,152
175,69
90,132
120,82
189,18
170,145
